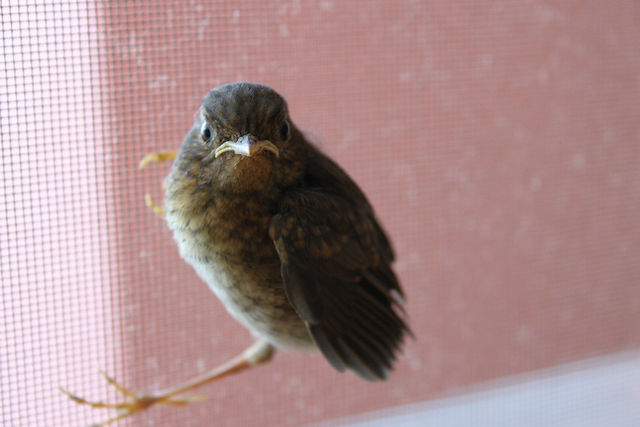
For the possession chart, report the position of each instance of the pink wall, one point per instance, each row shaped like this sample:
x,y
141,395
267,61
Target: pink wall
x,y
498,142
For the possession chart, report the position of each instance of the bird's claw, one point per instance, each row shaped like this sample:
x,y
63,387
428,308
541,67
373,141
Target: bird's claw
x,y
157,158
152,205
134,403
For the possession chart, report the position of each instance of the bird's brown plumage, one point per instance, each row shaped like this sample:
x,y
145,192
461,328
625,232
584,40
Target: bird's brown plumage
x,y
289,243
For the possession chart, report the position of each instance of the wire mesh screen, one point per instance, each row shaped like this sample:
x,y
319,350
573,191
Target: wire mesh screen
x,y
498,142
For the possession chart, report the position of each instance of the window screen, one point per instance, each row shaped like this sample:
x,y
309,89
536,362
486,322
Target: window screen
x,y
497,141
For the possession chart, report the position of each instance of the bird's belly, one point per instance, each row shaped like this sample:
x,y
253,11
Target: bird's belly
x,y
250,289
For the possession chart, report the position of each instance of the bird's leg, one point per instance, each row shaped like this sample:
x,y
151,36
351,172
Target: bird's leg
x,y
260,352
156,157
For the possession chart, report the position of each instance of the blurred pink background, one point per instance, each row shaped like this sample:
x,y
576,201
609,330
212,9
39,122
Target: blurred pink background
x,y
498,142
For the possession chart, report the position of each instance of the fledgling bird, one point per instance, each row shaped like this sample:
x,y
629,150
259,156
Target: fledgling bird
x,y
283,236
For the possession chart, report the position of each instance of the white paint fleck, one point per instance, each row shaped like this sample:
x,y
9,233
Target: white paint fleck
x,y
524,335
578,161
535,183
284,30
203,27
415,364
326,5
405,77
614,180
470,224
295,381
567,315
609,135
427,65
544,14
135,48
152,363
349,136
542,76
158,81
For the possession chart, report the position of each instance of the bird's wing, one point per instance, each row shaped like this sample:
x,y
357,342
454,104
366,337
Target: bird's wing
x,y
337,275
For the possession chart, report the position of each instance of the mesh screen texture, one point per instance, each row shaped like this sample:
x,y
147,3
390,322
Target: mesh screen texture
x,y
498,142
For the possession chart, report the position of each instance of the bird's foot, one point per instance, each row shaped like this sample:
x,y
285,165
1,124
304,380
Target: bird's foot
x,y
134,402
157,158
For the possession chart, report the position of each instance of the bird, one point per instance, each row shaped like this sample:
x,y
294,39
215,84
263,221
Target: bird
x,y
284,238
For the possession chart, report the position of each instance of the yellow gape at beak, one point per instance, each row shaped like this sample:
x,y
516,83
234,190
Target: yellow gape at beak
x,y
247,145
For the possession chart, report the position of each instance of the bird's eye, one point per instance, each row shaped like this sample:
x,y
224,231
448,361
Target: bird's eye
x,y
284,130
205,132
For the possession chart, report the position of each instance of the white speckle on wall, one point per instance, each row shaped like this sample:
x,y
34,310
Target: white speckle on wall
x,y
578,161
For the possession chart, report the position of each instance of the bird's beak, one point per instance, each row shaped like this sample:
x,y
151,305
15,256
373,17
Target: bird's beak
x,y
247,145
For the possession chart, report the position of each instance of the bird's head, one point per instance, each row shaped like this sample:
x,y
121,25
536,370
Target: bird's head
x,y
242,139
